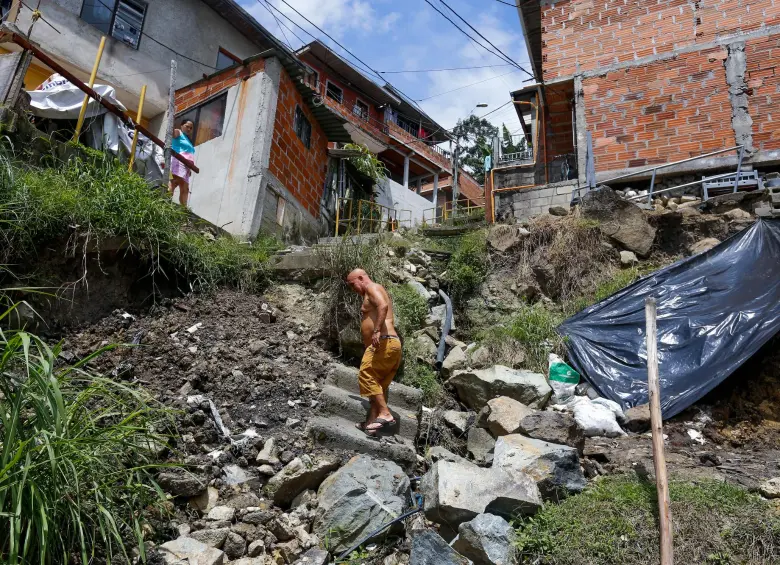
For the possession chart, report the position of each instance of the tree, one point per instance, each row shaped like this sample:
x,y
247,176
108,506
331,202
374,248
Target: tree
x,y
475,138
508,146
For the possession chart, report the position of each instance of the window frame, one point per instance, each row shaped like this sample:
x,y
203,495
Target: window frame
x,y
340,100
113,20
365,117
196,121
222,51
306,142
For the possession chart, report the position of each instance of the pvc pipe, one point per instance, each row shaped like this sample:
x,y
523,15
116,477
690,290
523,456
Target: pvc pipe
x,y
92,78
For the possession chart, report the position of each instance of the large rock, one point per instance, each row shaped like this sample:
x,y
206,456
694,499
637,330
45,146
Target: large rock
x,y
638,418
703,245
486,540
458,492
211,537
770,488
476,386
555,427
456,359
358,499
297,476
180,482
191,549
502,237
504,415
458,421
620,219
480,445
555,468
428,548
426,349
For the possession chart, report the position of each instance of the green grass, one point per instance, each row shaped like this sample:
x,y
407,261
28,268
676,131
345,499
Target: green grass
x,y
409,307
614,522
467,267
605,289
77,453
90,199
420,375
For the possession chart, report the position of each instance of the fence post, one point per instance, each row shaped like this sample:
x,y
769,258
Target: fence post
x,y
135,133
92,78
170,118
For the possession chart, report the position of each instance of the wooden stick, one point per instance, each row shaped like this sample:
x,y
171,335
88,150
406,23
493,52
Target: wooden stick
x,y
135,133
656,423
169,120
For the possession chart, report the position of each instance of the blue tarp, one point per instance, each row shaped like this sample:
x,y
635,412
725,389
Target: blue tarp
x,y
715,310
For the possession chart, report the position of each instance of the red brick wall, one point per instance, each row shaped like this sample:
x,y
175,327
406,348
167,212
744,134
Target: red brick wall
x,y
200,91
302,171
583,35
763,80
558,126
658,113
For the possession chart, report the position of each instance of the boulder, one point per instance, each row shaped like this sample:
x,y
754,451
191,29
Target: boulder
x,y
437,453
554,427
267,455
458,492
234,546
476,386
504,415
428,548
358,499
458,421
486,540
502,237
738,214
558,211
211,537
180,482
193,550
298,475
480,357
425,349
480,445
770,488
703,245
555,468
621,220
456,359
628,258
638,418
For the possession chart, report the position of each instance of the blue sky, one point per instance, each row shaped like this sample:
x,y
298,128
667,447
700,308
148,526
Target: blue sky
x,y
394,35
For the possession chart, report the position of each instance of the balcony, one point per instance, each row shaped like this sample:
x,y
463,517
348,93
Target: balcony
x,y
433,153
524,157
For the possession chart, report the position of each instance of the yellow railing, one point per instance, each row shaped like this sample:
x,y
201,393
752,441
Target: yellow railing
x,y
357,217
450,212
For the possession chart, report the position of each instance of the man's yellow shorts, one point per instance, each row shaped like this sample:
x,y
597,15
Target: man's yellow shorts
x,y
379,366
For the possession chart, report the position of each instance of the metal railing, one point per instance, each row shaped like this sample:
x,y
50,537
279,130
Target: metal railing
x,y
449,212
358,217
739,148
526,154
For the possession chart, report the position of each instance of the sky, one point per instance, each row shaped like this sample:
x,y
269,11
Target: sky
x,y
403,35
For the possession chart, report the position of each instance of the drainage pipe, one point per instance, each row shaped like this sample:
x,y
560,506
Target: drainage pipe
x,y
445,330
379,531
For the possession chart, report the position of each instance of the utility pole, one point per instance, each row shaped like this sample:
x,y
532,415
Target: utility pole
x,y
169,120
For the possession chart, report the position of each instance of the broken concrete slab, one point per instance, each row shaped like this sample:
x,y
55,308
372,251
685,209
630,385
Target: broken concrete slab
x,y
504,414
298,475
476,386
486,540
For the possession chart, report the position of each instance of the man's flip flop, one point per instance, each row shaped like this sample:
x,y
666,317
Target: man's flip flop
x,y
361,426
383,425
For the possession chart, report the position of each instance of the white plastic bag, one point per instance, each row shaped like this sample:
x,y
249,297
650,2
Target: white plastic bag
x,y
595,419
613,406
563,379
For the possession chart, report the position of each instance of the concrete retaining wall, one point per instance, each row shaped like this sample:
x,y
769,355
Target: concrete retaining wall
x,y
531,202
394,195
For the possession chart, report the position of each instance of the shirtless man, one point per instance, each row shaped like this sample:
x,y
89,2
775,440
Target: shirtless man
x,y
383,351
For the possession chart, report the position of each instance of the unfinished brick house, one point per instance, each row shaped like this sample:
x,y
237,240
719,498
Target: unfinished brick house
x,y
653,81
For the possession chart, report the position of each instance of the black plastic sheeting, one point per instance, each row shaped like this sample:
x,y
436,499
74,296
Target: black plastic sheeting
x,y
715,310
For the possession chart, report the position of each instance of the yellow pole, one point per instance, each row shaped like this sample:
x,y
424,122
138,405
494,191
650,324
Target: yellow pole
x,y
338,209
137,121
91,84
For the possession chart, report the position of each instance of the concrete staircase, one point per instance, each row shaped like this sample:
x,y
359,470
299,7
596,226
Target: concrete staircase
x,y
341,406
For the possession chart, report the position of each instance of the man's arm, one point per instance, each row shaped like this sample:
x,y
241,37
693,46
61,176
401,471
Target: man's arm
x,y
377,299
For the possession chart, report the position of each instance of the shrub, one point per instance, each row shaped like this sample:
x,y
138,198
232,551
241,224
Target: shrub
x,y
420,375
468,266
409,307
77,455
614,522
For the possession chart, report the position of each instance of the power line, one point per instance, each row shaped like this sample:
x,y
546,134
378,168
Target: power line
x,y
465,86
485,38
450,69
298,37
278,23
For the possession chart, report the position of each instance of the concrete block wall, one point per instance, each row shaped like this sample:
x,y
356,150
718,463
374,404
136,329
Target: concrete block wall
x,y
530,202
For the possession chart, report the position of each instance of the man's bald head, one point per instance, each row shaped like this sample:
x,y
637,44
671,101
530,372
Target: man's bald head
x,y
358,280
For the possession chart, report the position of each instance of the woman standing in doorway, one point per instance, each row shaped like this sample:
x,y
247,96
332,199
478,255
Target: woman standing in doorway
x,y
180,174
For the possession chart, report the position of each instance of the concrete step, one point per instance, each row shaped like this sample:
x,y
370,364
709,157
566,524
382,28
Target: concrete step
x,y
338,402
400,396
339,433
362,238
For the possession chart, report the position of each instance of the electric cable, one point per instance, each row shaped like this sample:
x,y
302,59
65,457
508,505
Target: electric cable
x,y
440,70
465,86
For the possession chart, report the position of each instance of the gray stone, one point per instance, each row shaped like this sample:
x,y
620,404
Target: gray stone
x,y
297,476
502,237
456,359
205,501
438,453
180,482
358,499
475,387
222,514
703,245
457,492
243,500
628,258
234,546
504,415
486,540
212,538
738,214
256,548
480,445
437,315
554,427
289,550
283,527
247,531
458,421
419,289
428,548
252,561
257,517
235,475
267,455
193,550
480,357
426,349
770,488
638,418
266,470
555,468
314,556
619,219
558,211
305,497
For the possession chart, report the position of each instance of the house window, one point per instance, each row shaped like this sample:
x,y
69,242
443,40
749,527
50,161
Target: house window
x,y
360,109
209,119
302,127
121,19
334,92
226,59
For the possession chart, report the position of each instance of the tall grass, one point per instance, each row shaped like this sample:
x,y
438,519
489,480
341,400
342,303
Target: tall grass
x,y
468,267
77,453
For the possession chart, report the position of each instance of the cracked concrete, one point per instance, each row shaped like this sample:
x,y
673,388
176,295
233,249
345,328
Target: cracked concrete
x,y
736,65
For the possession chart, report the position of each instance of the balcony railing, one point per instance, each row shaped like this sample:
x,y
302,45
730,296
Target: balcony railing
x,y
526,155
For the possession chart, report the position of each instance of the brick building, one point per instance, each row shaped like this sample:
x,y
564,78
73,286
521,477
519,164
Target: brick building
x,y
654,82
